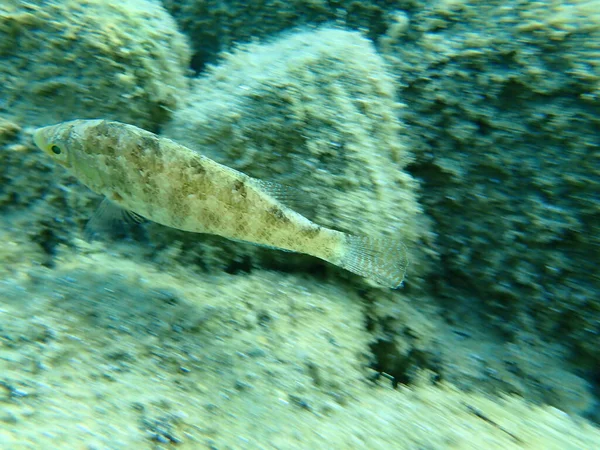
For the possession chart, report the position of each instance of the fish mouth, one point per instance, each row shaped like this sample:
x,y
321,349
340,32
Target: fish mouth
x,y
40,138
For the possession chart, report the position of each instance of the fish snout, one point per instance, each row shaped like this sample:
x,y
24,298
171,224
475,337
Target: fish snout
x,y
40,137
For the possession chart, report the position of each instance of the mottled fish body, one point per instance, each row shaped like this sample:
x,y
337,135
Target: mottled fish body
x,y
170,184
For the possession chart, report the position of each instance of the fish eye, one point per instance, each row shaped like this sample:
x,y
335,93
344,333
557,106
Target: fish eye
x,y
55,149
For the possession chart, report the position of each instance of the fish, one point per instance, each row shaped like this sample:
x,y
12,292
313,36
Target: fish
x,y
152,177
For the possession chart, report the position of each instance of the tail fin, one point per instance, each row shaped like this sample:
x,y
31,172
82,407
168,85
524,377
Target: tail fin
x,y
382,260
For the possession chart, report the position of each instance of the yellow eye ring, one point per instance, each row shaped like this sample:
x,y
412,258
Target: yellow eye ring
x,y
55,149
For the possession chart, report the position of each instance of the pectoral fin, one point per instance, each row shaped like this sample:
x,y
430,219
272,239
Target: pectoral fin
x,y
109,218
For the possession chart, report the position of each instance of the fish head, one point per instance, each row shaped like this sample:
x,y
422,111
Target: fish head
x,y
75,146
54,141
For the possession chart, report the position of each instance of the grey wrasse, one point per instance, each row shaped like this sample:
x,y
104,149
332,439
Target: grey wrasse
x,y
165,182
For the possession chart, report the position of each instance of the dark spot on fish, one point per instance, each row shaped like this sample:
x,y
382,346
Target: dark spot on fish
x,y
178,208
148,184
103,138
197,166
105,128
278,214
187,188
110,150
212,219
240,187
135,157
152,143
242,228
311,232
116,197
147,155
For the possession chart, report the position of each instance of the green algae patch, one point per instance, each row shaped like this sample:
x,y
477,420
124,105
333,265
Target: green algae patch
x,y
114,352
85,59
503,115
215,27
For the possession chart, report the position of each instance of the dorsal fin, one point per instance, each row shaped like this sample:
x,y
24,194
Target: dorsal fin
x,y
292,197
